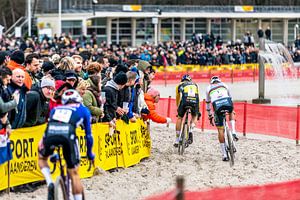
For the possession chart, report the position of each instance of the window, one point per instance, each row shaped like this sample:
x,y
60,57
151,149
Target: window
x,y
72,27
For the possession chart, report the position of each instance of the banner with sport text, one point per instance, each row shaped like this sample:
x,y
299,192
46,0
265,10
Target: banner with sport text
x,y
123,147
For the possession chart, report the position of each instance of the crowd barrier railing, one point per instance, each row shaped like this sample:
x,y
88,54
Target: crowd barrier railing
x,y
281,121
125,147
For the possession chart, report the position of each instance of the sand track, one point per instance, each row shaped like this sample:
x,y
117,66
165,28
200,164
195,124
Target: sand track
x,y
258,162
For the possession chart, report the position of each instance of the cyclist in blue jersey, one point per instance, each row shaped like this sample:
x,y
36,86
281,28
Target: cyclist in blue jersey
x,y
61,131
217,94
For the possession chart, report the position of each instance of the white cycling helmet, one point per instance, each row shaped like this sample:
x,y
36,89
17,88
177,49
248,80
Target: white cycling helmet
x,y
71,96
215,79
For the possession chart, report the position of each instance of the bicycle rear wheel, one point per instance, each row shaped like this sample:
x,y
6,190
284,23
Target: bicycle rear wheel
x,y
182,140
230,146
60,191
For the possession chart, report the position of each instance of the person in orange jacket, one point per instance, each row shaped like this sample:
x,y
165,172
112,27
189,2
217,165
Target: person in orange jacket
x,y
151,97
17,58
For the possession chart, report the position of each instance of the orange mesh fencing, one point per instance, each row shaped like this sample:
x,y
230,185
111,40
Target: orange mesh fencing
x,y
270,120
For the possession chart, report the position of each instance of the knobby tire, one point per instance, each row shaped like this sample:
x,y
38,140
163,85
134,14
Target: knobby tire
x,y
60,189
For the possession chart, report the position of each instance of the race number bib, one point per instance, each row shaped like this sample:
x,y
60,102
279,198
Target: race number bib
x,y
190,90
62,115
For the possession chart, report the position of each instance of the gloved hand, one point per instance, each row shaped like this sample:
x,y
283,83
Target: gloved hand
x,y
169,120
125,118
91,156
211,121
145,111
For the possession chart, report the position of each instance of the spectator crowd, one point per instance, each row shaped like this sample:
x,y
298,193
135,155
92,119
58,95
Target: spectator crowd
x,y
114,81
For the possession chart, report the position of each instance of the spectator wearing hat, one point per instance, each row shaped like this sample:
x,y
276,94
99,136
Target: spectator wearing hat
x,y
111,89
33,66
71,78
151,98
17,60
47,67
37,105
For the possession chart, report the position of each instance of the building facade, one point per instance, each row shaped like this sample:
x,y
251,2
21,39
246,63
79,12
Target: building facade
x,y
133,25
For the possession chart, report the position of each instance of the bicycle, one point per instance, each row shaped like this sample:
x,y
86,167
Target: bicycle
x,y
229,142
184,133
62,185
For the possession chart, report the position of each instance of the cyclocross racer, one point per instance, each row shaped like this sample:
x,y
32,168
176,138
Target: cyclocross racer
x,y
61,131
187,94
217,93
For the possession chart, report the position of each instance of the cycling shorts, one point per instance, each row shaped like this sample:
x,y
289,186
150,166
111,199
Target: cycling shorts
x,y
67,140
183,107
219,105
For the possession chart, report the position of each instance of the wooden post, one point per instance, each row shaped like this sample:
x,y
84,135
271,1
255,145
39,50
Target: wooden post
x,y
245,118
169,107
203,115
165,75
231,74
298,125
8,179
179,188
254,71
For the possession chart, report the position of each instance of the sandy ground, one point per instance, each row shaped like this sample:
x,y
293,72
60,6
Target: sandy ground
x,y
259,161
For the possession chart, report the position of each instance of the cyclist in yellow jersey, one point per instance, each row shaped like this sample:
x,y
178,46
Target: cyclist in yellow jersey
x,y
187,94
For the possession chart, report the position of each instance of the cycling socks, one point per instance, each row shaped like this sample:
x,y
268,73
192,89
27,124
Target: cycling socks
x,y
192,127
177,134
46,172
233,126
77,196
223,149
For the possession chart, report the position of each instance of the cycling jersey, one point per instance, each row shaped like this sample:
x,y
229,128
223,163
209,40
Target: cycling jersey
x,y
61,130
218,94
187,94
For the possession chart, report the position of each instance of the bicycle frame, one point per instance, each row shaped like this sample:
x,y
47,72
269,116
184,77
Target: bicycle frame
x,y
229,142
184,133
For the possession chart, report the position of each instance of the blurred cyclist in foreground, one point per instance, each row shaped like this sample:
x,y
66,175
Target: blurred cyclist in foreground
x,y
61,130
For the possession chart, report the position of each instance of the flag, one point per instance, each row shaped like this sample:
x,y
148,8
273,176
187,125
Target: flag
x,y
5,151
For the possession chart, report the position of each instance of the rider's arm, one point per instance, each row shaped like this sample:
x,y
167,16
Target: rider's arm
x,y
88,130
177,96
207,101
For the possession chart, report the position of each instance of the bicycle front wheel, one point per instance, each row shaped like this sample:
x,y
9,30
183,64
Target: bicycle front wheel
x,y
60,191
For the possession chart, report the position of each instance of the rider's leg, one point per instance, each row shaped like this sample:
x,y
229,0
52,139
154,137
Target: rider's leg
x,y
222,142
192,126
232,122
77,187
43,164
178,129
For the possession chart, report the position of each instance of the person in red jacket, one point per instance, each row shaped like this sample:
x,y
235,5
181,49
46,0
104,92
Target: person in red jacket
x,y
151,97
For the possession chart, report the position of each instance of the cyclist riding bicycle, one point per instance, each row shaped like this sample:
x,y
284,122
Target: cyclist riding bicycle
x,y
187,95
61,131
217,94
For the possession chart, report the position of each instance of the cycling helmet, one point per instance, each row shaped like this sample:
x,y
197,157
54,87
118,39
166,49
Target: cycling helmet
x,y
215,79
71,96
186,77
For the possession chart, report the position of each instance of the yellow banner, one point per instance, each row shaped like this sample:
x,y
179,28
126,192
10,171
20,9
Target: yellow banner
x,y
125,147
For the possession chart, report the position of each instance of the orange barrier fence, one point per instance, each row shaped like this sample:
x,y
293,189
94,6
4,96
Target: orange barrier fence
x,y
228,73
270,120
279,191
